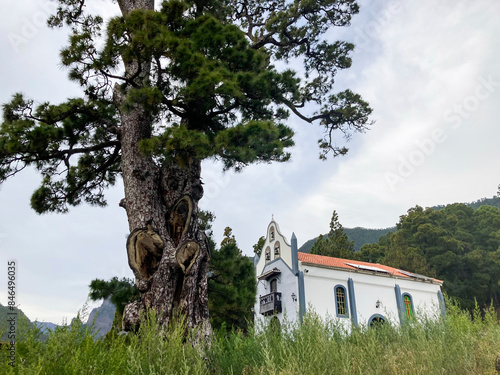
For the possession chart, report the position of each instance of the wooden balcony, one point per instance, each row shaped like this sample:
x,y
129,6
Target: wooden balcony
x,y
270,304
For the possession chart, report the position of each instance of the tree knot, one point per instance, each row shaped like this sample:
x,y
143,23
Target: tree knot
x,y
144,250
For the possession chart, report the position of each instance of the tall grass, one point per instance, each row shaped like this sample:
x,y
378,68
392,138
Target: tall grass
x,y
457,344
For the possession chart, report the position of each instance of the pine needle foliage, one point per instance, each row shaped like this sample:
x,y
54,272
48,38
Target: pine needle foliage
x,y
119,291
231,286
335,243
218,79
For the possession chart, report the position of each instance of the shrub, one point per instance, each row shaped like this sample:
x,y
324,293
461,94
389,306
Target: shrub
x,y
457,344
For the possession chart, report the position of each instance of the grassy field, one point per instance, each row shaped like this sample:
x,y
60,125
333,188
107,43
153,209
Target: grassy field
x,y
456,345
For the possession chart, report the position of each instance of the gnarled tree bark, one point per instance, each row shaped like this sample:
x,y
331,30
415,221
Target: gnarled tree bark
x,y
167,252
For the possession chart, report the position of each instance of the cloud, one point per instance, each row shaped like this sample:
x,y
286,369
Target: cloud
x,y
418,64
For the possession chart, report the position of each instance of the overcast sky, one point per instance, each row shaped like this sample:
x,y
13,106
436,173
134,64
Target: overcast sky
x,y
429,69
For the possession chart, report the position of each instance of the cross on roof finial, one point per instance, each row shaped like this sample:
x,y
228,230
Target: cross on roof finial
x,y
272,216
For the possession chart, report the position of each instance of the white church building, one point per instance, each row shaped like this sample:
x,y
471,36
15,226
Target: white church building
x,y
353,292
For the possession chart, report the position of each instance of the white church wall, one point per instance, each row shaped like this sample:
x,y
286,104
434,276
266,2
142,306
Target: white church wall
x,y
286,285
319,285
424,298
370,291
285,248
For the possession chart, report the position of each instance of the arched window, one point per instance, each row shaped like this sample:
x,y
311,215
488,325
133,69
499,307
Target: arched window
x,y
268,254
376,320
277,250
341,301
408,306
271,233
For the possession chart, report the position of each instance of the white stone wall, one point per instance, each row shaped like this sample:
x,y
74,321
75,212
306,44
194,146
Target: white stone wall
x,y
368,289
424,296
287,285
372,288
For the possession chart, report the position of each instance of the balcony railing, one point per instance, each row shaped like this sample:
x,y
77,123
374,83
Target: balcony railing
x,y
270,304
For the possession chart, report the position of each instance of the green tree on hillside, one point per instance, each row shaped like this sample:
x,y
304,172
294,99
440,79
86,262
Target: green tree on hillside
x,y
228,237
456,244
401,254
164,89
372,253
335,243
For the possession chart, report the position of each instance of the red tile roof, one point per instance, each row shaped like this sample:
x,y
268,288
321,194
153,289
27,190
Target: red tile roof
x,y
346,264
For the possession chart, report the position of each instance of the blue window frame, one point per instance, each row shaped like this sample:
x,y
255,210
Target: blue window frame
x,y
340,295
441,303
376,320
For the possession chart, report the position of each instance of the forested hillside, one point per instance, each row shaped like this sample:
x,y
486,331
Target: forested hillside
x,y
458,243
359,235
362,236
493,201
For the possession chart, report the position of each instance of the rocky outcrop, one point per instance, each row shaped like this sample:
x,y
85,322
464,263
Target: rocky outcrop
x,y
101,318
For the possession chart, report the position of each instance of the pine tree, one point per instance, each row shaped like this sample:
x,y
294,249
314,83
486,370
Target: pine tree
x,y
119,291
164,89
335,243
257,248
231,286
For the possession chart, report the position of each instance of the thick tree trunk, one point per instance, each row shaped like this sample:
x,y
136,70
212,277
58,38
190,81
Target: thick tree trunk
x,y
167,252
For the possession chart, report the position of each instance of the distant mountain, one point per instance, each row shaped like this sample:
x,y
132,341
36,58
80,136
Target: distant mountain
x,y
101,318
362,236
45,327
22,322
